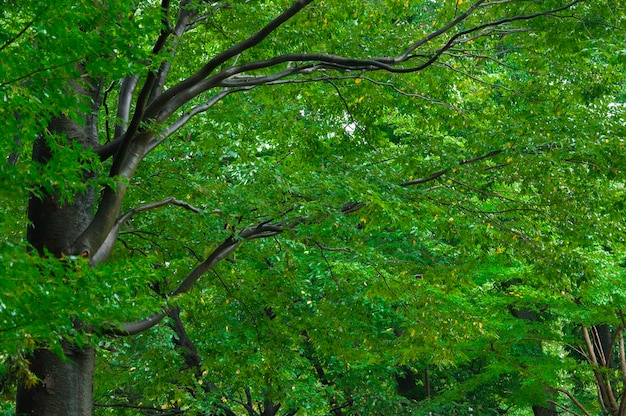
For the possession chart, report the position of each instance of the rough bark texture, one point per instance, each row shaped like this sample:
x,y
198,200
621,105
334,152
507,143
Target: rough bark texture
x,y
66,383
54,225
66,386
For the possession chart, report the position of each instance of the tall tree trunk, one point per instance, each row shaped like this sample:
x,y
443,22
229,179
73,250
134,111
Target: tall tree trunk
x,y
65,384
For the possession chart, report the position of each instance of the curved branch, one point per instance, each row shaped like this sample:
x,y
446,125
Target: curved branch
x,y
182,120
480,80
235,50
198,83
19,34
223,250
183,342
172,99
166,30
404,56
123,104
429,178
487,155
103,253
349,111
262,230
137,327
41,70
574,400
252,81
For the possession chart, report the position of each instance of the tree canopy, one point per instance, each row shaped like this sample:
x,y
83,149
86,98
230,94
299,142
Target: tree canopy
x,y
314,207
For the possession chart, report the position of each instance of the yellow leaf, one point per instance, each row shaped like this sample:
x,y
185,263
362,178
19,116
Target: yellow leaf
x,y
357,80
31,380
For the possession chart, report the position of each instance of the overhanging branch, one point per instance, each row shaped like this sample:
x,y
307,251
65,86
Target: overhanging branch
x,y
226,248
200,82
182,120
229,245
210,66
109,243
135,143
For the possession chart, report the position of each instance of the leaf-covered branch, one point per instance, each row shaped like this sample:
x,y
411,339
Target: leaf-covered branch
x,y
224,250
198,83
183,119
227,247
109,243
177,95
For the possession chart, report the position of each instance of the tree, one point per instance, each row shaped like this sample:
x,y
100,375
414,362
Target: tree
x,y
122,99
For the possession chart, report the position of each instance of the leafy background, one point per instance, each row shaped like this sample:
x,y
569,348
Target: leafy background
x,y
526,129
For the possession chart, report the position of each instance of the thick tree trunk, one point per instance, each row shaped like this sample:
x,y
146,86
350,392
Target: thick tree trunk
x,y
53,225
66,383
66,386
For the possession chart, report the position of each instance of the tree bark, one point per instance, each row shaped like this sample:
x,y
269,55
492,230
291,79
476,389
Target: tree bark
x,y
545,411
65,387
65,384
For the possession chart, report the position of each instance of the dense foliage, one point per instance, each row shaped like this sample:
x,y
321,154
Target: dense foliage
x,y
443,238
